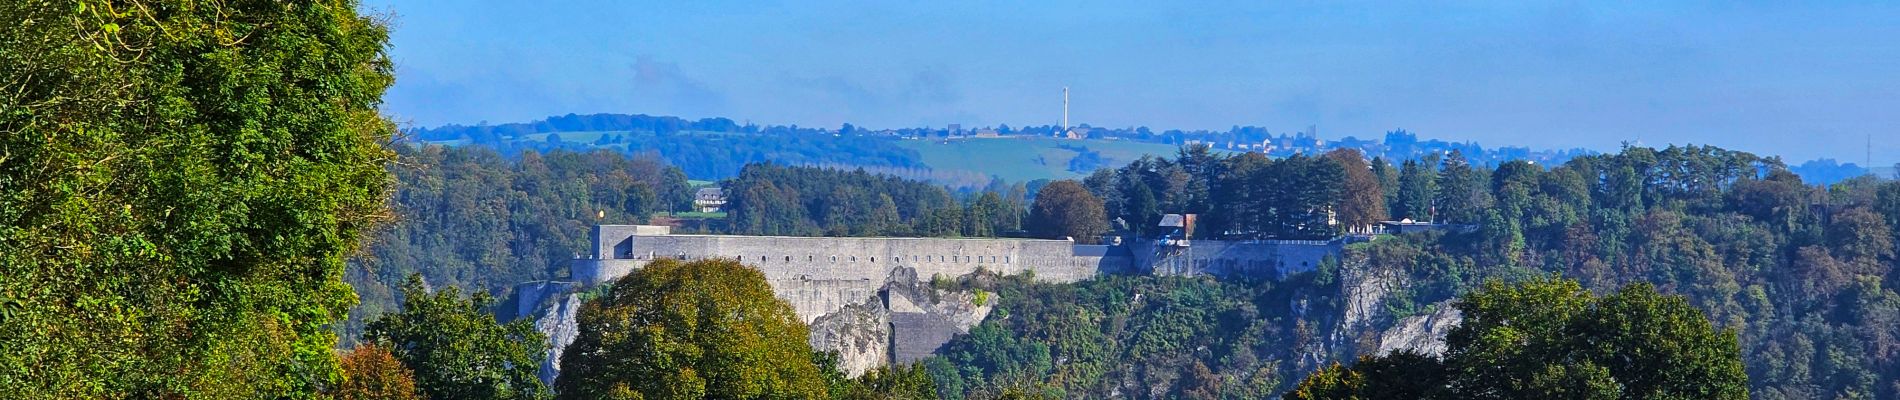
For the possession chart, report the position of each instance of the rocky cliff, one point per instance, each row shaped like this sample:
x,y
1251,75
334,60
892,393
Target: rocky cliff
x,y
1364,326
908,319
1423,334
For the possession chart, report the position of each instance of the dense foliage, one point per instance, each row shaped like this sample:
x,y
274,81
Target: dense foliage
x,y
768,199
1139,336
1247,196
457,349
179,185
469,218
890,382
1551,339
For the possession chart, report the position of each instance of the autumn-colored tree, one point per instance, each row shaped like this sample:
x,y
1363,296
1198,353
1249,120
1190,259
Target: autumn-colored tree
x,y
180,184
371,373
1065,209
690,330
1361,200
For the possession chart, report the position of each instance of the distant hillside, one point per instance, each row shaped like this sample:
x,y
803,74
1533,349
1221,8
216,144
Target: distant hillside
x,y
707,149
1829,171
716,148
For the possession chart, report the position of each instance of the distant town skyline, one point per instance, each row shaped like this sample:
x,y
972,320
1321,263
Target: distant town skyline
x,y
1802,82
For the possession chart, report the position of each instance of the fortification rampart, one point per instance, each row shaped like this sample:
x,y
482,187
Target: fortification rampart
x,y
1222,258
820,275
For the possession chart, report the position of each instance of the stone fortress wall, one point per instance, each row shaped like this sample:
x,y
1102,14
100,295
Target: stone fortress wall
x,y
848,288
820,275
1271,259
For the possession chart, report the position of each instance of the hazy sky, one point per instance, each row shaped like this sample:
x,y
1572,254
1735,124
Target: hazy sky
x,y
1802,82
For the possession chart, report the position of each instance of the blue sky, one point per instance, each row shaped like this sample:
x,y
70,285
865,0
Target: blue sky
x,y
1798,81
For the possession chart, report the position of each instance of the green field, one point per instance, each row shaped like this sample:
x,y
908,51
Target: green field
x,y
1020,159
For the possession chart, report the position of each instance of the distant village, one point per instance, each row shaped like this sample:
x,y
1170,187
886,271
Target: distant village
x,y
1398,144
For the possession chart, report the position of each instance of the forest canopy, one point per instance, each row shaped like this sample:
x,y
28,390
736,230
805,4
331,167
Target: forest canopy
x,y
180,185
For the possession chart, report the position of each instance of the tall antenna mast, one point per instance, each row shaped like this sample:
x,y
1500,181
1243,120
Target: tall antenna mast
x,y
1065,109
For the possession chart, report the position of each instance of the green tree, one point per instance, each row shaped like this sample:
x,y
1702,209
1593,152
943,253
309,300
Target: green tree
x,y
180,183
1388,176
1065,209
1463,194
1417,189
704,329
1551,339
641,201
898,382
1652,345
1400,375
457,349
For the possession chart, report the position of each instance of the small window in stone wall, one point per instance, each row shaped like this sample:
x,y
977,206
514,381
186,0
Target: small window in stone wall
x,y
834,259
873,259
788,258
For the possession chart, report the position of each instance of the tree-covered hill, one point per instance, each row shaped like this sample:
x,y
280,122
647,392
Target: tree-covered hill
x,y
1804,274
468,217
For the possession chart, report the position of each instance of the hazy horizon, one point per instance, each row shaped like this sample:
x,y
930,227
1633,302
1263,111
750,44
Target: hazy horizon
x,y
1799,82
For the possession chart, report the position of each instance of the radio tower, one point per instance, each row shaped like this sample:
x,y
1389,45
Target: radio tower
x,y
1065,111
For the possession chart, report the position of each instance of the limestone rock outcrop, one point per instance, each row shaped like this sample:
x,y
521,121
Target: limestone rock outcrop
x,y
1424,334
907,320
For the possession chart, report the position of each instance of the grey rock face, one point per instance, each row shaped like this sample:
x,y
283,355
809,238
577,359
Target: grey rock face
x,y
558,324
1424,334
907,321
861,334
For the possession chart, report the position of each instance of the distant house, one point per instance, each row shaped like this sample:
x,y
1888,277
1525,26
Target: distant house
x,y
709,199
987,133
1076,133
